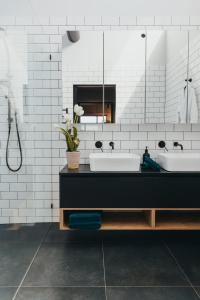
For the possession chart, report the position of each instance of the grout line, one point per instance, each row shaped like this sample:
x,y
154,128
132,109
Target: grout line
x,y
148,286
8,286
73,242
104,270
27,270
181,269
64,286
107,286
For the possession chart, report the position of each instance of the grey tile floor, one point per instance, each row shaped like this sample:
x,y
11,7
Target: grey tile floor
x,y
39,262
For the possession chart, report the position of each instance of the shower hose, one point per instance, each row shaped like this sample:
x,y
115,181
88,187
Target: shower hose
x,y
8,140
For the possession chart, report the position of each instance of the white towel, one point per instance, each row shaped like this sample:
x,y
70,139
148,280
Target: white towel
x,y
192,105
13,68
3,60
188,109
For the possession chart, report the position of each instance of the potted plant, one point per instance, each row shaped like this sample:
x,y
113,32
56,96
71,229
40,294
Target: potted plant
x,y
72,140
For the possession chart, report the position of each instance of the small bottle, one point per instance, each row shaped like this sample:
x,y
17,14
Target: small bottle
x,y
146,153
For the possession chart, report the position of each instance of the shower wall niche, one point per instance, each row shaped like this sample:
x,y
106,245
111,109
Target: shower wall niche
x,y
90,97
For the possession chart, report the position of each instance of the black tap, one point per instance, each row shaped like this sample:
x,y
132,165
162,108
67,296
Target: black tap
x,y
112,145
99,145
162,145
177,144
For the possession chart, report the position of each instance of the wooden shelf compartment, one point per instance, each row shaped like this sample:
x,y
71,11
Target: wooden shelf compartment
x,y
177,219
118,219
126,220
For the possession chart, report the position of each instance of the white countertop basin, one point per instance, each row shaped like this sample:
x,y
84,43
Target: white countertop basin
x,y
114,162
180,161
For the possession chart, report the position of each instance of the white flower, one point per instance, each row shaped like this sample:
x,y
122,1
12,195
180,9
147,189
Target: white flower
x,y
80,113
78,110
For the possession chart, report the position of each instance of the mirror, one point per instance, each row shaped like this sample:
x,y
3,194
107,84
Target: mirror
x,y
173,96
132,76
194,77
82,74
155,76
124,70
167,64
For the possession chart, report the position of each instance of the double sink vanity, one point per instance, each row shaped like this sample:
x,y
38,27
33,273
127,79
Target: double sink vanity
x,y
129,162
133,77
131,198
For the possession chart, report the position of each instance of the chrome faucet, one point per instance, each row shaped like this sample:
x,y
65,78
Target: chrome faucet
x,y
177,144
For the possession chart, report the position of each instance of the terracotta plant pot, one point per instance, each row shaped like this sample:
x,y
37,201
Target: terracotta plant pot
x,y
73,159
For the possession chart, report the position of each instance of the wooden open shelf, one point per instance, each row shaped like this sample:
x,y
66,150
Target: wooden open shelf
x,y
141,219
137,220
178,220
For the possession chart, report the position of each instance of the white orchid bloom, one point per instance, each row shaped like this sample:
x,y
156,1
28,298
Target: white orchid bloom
x,y
78,110
80,113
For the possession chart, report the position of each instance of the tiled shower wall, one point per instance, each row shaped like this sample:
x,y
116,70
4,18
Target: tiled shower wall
x,y
27,196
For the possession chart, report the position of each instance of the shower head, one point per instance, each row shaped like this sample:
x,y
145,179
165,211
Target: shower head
x,y
73,36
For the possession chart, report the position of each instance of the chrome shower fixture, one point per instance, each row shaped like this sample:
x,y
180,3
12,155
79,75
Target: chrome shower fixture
x,y
10,121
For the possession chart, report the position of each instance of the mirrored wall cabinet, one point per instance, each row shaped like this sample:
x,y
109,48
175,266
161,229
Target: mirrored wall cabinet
x,y
132,76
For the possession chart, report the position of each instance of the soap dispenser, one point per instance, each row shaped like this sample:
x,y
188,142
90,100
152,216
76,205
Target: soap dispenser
x,y
146,154
148,163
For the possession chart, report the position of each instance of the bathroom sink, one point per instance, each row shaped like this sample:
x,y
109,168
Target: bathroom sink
x,y
180,161
114,162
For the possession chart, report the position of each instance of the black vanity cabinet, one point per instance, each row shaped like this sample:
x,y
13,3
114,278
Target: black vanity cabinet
x,y
133,197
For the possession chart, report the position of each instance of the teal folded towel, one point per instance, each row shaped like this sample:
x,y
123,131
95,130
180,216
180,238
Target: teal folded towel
x,y
85,220
85,225
87,217
151,163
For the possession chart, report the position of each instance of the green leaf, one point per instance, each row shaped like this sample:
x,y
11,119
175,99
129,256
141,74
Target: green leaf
x,y
75,132
72,140
63,131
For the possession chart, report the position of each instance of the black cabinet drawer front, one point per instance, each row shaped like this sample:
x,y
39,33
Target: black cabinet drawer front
x,y
129,192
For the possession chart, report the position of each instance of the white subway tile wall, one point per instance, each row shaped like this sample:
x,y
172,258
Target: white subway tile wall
x,y
27,196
